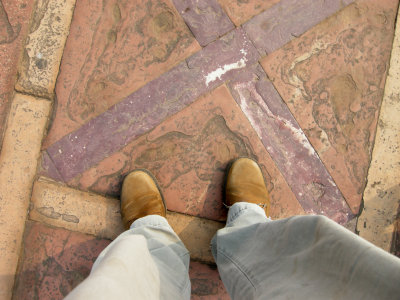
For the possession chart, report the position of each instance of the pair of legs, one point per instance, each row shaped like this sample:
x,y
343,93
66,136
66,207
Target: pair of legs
x,y
303,257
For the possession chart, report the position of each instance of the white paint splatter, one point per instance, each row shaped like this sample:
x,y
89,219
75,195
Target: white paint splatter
x,y
298,134
212,76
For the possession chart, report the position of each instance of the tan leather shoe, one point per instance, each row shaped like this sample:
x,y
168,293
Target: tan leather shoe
x,y
245,183
140,197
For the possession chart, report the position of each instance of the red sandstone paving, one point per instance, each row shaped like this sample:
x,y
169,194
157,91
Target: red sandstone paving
x,y
240,11
332,78
55,260
206,282
188,154
149,106
14,21
114,48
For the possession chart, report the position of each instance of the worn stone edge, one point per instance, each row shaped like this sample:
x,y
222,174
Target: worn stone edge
x,y
41,211
384,215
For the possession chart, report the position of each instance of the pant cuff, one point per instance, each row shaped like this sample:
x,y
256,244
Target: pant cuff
x,y
151,220
240,208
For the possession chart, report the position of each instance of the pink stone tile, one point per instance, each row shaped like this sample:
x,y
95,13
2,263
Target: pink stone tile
x,y
54,261
14,22
188,154
288,146
206,283
332,80
113,49
287,20
206,19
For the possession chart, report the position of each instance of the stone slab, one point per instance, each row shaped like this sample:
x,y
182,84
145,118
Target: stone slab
x,y
57,205
206,283
18,161
380,218
44,47
332,80
14,22
206,19
149,106
113,49
288,146
54,261
188,154
240,11
287,20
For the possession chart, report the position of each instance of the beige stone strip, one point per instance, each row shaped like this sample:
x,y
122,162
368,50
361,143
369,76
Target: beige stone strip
x,y
382,194
58,205
44,47
18,160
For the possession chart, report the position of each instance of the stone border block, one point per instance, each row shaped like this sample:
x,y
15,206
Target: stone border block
x,y
58,205
18,161
378,221
44,47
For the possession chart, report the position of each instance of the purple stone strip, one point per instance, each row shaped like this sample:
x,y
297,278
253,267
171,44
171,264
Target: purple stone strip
x,y
205,18
48,169
287,20
150,105
288,146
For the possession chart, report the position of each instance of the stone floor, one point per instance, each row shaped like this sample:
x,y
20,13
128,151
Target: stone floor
x,y
91,90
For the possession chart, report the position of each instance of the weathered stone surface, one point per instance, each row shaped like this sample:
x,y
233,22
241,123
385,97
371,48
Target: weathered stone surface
x,y
54,261
146,108
113,49
287,20
188,154
288,146
14,21
206,283
18,160
58,205
332,79
379,220
44,47
206,19
240,11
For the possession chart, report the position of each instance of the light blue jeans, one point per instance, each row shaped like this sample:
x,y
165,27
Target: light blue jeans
x,y
304,257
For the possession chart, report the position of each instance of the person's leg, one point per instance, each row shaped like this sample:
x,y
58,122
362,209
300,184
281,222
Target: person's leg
x,y
148,261
304,257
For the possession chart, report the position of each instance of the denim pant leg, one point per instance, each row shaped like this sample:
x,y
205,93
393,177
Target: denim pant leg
x,y
148,261
303,257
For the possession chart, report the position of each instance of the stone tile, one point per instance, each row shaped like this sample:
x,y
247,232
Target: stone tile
x,y
287,20
188,154
18,159
54,261
44,47
58,205
149,106
114,48
380,218
206,283
288,146
332,79
240,11
206,19
14,22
